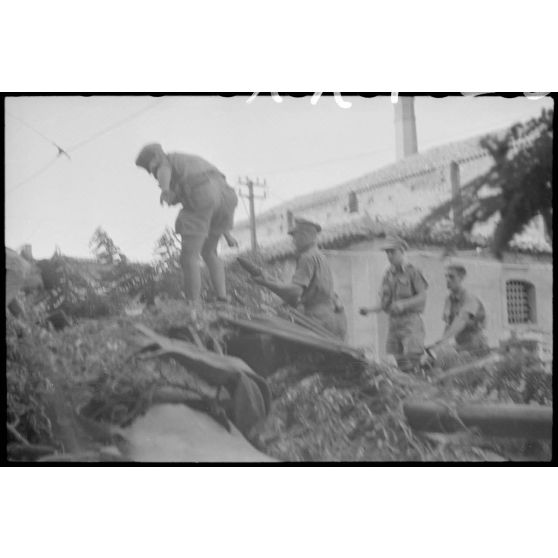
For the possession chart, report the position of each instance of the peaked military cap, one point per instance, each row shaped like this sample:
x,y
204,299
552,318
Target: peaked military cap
x,y
147,153
301,224
392,241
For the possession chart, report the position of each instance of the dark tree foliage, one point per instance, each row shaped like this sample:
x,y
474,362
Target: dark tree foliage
x,y
167,250
104,248
519,184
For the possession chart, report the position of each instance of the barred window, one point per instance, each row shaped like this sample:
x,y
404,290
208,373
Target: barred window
x,y
520,297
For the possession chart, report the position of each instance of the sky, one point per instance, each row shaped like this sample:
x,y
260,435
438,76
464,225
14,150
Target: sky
x,y
58,201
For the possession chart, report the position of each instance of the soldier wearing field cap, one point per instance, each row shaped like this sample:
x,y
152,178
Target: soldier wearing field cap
x,y
312,283
403,298
464,314
208,205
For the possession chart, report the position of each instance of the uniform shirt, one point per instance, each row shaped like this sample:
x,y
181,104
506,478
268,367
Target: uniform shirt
x,y
313,274
400,283
465,302
189,171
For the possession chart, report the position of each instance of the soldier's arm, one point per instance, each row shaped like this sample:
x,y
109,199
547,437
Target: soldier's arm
x,y
168,196
164,173
461,321
412,303
384,303
304,272
456,327
365,310
417,301
289,292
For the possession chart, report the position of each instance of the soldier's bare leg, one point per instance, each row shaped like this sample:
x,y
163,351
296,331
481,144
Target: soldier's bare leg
x,y
190,261
215,265
412,341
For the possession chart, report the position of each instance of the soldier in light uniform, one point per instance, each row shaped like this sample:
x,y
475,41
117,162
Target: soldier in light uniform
x,y
208,205
464,315
312,284
403,298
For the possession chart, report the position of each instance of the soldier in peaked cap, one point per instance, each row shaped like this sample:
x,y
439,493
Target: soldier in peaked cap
x,y
403,298
208,205
312,283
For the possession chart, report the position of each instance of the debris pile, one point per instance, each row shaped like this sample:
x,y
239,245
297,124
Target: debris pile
x,y
68,390
321,414
71,392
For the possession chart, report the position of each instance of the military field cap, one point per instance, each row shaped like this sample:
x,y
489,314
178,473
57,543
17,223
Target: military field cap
x,y
147,153
393,242
304,224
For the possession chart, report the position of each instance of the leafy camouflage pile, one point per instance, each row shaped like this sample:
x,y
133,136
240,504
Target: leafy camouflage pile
x,y
69,391
332,417
320,414
63,384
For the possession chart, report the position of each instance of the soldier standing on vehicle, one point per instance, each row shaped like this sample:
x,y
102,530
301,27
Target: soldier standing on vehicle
x,y
208,205
403,298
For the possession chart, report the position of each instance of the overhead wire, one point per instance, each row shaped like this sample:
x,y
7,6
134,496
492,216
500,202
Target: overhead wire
x,y
35,174
113,126
78,145
32,128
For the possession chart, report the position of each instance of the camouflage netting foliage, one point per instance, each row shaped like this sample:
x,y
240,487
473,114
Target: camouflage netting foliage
x,y
69,391
322,414
323,409
332,417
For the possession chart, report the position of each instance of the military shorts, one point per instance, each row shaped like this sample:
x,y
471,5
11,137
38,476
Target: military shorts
x,y
405,335
208,209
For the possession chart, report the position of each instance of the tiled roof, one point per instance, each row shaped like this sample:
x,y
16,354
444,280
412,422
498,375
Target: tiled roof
x,y
350,228
363,227
414,165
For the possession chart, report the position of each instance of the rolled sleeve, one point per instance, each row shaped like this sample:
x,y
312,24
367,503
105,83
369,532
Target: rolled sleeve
x,y
304,272
470,307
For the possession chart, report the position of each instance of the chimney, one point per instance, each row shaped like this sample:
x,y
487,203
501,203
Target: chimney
x,y
405,128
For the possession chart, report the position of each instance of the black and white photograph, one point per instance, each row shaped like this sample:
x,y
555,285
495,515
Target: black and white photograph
x,y
278,278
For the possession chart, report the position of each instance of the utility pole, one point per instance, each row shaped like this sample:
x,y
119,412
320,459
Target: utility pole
x,y
455,182
251,184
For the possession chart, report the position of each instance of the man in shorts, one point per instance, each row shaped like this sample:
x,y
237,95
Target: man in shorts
x,y
208,205
403,298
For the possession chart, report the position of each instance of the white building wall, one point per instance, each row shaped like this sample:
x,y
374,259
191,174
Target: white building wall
x,y
358,276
